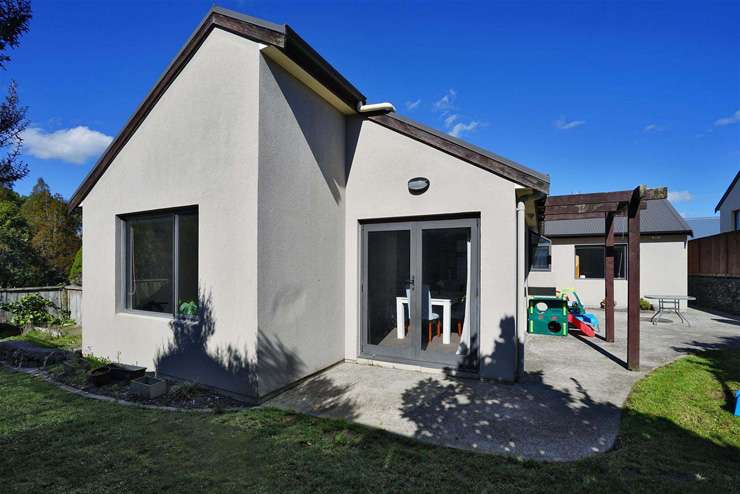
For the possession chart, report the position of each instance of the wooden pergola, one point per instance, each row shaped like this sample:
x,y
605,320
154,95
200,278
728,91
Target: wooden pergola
x,y
608,205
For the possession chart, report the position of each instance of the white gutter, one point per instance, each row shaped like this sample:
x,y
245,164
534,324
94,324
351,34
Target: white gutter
x,y
375,107
521,305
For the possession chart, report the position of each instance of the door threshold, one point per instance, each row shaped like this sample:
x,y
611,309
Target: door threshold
x,y
415,366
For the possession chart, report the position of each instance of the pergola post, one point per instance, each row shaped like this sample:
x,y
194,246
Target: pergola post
x,y
611,204
609,277
633,280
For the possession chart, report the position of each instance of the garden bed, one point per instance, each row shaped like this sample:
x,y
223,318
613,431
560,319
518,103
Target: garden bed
x,y
51,355
184,395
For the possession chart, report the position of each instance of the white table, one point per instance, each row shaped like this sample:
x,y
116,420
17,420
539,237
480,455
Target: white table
x,y
446,305
669,303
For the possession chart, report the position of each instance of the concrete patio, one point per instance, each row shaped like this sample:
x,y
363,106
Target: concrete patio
x,y
567,406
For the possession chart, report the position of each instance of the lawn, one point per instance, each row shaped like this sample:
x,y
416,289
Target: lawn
x,y
678,435
71,338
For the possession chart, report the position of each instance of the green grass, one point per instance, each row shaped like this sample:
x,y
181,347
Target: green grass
x,y
677,435
70,340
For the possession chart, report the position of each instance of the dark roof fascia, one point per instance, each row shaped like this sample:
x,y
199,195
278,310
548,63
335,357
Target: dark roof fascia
x,y
616,234
260,31
465,151
727,192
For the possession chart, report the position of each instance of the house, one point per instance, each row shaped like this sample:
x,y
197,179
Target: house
x,y
256,221
729,207
703,226
570,254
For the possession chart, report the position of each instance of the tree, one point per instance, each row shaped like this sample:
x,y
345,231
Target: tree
x,y
75,271
54,231
19,264
14,19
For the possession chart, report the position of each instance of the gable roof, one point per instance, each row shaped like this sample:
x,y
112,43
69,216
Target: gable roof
x,y
659,217
281,37
466,151
727,192
283,42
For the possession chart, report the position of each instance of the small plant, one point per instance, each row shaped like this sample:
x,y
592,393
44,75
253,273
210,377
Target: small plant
x,y
34,310
188,308
184,391
645,305
96,362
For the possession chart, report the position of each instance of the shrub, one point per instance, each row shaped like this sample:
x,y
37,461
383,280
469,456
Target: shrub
x,y
645,305
33,309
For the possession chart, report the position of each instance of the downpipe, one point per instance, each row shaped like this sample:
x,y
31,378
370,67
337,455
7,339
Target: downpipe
x,y
521,308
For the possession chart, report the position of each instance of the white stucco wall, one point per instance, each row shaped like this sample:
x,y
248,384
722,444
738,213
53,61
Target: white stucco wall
x,y
198,146
663,269
729,206
381,163
301,230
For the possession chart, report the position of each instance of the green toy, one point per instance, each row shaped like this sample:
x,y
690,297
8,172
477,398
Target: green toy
x,y
548,315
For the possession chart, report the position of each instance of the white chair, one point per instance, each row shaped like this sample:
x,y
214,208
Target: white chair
x,y
428,315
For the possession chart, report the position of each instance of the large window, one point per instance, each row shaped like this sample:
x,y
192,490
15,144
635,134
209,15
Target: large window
x,y
540,252
161,261
736,219
590,261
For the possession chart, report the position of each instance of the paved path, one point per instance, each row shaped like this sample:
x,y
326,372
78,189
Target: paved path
x,y
567,406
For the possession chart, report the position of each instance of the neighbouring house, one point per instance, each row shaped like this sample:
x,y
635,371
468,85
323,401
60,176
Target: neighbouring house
x,y
703,226
255,187
570,254
729,207
714,261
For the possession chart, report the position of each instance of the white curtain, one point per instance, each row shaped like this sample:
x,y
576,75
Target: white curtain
x,y
464,345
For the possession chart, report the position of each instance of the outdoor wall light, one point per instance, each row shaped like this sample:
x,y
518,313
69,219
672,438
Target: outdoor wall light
x,y
418,185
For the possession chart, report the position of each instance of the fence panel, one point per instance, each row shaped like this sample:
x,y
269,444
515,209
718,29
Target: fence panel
x,y
65,297
718,255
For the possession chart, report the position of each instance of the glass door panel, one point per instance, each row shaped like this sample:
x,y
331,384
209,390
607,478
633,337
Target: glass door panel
x,y
388,322
446,288
420,292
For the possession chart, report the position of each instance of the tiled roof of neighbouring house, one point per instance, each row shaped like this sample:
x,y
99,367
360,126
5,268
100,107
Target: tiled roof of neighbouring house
x,y
659,217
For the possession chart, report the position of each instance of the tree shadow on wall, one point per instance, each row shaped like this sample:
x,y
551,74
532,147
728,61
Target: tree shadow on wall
x,y
187,356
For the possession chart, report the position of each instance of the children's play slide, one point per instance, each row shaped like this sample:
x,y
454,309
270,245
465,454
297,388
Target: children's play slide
x,y
578,318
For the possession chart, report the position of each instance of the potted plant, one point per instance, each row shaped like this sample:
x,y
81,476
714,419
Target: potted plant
x,y
100,376
188,309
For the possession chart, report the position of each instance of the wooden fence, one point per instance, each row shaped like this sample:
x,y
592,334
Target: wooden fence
x,y
718,255
66,297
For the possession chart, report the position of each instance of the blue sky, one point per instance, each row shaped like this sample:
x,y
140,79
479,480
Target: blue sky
x,y
602,96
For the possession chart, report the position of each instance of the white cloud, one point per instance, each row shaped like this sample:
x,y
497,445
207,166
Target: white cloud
x,y
412,105
563,124
679,196
446,102
732,119
75,145
450,119
460,128
651,128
